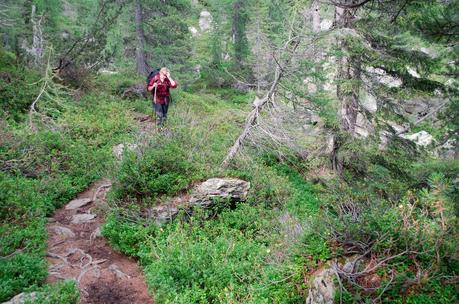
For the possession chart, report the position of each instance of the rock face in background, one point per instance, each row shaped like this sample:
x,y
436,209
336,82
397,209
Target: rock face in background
x,y
382,77
368,102
326,24
205,195
205,21
193,31
421,138
363,127
449,150
68,10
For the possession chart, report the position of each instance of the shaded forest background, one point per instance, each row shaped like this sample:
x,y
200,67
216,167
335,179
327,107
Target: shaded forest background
x,y
343,115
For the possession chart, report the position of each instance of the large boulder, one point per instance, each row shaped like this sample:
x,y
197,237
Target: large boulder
x,y
205,195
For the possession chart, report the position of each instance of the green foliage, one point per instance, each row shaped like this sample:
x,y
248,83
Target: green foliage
x,y
204,260
41,171
162,169
17,89
62,292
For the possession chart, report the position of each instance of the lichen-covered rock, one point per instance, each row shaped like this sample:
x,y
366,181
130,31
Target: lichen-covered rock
x,y
82,218
205,21
64,232
205,195
207,192
77,203
119,149
322,288
421,138
23,298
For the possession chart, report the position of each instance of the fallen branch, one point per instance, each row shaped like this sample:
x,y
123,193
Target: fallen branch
x,y
252,119
259,104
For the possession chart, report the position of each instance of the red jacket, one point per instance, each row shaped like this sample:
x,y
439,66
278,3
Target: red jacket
x,y
162,90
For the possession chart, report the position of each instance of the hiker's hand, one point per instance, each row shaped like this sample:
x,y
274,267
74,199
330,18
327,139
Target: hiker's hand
x,y
168,74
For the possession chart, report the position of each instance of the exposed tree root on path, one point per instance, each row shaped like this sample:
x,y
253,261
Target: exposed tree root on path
x,y
76,250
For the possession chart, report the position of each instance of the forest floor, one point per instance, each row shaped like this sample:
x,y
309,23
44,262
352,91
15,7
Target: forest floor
x,y
77,250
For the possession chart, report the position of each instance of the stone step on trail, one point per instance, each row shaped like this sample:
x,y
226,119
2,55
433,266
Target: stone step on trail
x,y
83,218
77,203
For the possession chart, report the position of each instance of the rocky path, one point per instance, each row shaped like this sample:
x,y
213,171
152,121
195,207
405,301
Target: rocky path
x,y
76,249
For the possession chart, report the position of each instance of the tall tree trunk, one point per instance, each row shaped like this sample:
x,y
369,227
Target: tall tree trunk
x,y
348,74
347,89
140,48
36,50
238,32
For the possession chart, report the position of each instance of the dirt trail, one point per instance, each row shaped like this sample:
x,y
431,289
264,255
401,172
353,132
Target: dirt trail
x,y
76,249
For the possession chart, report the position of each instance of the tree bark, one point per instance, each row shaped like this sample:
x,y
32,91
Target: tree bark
x,y
347,89
348,73
140,48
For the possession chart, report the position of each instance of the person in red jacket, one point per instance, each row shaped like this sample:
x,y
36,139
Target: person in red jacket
x,y
159,86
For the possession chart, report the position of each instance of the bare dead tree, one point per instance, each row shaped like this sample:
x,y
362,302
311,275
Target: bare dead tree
x,y
36,50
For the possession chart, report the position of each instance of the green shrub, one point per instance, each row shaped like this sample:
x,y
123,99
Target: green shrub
x,y
162,169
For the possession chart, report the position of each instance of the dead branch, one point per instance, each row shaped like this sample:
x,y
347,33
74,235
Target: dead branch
x,y
94,197
289,46
252,119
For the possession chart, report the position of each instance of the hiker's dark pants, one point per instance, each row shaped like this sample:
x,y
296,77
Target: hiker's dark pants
x,y
161,112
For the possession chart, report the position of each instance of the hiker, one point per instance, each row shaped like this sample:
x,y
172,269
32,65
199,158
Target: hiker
x,y
159,86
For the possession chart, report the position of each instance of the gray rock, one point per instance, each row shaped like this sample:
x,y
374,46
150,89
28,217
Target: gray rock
x,y
363,126
119,149
422,138
63,231
397,128
384,137
83,218
368,102
22,298
77,203
120,275
322,288
205,193
96,234
449,150
205,21
193,31
163,214
326,24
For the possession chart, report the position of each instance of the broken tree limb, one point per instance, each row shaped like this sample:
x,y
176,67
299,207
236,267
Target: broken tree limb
x,y
290,46
252,118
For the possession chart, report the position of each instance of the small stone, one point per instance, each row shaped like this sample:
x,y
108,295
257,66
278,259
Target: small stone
x,y
22,298
63,231
96,234
82,218
77,203
322,288
117,272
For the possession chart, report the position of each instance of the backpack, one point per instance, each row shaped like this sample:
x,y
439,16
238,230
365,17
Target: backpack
x,y
151,75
